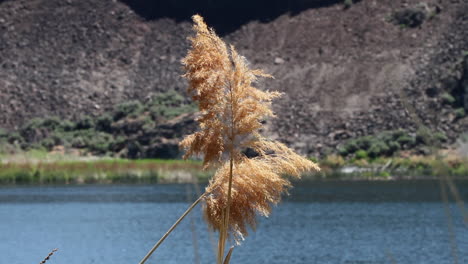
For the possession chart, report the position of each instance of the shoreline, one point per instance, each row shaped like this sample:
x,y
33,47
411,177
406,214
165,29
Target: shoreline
x,y
105,170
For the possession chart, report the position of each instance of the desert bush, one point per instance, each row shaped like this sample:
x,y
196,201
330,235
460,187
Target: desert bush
x,y
47,143
85,122
104,123
3,134
100,143
379,148
361,154
134,150
393,146
406,141
67,125
447,98
127,109
15,138
440,137
387,143
409,17
333,161
348,3
169,105
117,144
38,128
78,142
50,123
460,112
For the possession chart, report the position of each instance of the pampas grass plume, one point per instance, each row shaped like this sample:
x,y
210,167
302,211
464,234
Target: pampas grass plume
x,y
231,115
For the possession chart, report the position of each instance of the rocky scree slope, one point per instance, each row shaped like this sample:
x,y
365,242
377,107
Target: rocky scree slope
x,y
345,72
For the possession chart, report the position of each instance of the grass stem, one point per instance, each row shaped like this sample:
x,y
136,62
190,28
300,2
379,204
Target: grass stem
x,y
225,225
171,229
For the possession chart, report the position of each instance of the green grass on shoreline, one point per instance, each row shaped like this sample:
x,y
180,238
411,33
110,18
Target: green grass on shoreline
x,y
102,171
70,170
391,168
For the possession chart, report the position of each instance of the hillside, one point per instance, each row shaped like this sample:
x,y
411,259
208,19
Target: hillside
x,y
346,71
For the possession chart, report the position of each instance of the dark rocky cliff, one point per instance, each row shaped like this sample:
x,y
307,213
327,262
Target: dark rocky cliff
x,y
345,72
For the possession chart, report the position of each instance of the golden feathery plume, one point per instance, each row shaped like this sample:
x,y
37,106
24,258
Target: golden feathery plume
x,y
257,184
231,114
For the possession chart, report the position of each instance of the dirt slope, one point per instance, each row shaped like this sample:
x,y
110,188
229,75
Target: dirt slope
x,y
345,72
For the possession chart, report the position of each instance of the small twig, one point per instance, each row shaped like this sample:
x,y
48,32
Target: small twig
x,y
48,256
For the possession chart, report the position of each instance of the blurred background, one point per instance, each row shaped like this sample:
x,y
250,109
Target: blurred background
x,y
93,106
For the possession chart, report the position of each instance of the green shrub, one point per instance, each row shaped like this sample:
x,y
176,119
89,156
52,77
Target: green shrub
x,y
384,174
78,142
3,133
29,130
447,98
361,154
460,171
47,143
365,142
15,138
348,3
409,17
85,122
342,151
51,123
169,105
460,113
423,136
406,140
67,125
100,143
393,147
148,124
117,144
314,159
127,109
352,146
440,137
379,148
333,161
104,123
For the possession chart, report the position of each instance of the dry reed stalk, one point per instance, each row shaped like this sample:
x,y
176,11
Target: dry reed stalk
x,y
48,256
232,111
228,256
145,258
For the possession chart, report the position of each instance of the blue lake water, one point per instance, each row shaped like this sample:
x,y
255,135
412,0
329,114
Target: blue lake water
x,y
321,222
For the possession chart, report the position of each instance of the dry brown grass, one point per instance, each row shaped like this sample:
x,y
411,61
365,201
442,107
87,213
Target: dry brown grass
x,y
231,115
232,111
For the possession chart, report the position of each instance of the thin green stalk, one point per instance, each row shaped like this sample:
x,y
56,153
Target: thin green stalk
x,y
171,229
